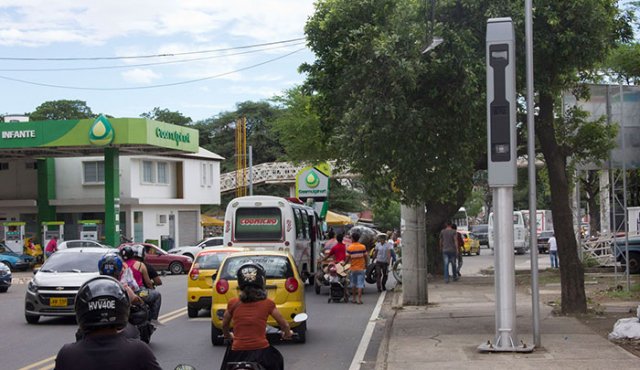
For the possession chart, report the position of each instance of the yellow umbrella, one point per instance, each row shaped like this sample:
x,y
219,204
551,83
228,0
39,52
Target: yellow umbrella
x,y
334,219
210,221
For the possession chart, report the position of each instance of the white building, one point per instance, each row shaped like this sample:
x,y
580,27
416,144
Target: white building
x,y
159,196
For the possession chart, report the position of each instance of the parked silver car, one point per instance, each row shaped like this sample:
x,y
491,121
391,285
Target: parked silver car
x,y
191,251
67,244
53,289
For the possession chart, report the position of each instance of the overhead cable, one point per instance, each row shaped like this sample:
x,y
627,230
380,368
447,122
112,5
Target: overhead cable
x,y
150,86
154,55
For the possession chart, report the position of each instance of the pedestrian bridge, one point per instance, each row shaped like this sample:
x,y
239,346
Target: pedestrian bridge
x,y
270,173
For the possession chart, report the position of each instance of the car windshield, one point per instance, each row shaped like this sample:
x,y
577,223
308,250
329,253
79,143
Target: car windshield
x,y
72,262
211,260
546,234
276,267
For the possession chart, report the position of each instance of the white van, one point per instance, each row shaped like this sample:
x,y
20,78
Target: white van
x,y
520,234
273,223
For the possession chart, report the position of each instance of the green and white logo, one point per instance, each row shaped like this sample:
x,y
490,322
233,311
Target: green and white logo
x,y
312,180
101,132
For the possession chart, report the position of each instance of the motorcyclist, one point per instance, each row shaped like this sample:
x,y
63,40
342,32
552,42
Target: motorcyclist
x,y
102,309
133,256
249,314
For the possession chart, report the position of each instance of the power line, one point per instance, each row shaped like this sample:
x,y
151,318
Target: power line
x,y
150,86
154,55
144,64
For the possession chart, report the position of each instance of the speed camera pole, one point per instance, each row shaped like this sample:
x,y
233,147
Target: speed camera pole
x,y
501,151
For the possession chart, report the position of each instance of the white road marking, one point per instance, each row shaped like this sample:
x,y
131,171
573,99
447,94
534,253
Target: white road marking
x,y
366,336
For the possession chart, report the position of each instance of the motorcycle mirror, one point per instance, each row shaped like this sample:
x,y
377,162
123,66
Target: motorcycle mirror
x,y
300,317
184,367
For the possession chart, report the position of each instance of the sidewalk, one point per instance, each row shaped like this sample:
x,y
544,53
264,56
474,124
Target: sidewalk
x,y
461,316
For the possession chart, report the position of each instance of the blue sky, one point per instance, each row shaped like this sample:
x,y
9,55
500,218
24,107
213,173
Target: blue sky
x,y
123,28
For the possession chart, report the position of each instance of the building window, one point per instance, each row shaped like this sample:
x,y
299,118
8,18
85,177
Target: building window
x,y
163,176
203,174
93,172
31,165
4,166
210,174
147,172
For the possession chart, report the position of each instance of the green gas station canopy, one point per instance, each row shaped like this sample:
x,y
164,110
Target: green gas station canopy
x,y
87,137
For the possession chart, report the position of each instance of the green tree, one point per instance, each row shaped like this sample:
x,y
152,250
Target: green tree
x,y
298,128
61,110
386,215
165,115
406,114
573,37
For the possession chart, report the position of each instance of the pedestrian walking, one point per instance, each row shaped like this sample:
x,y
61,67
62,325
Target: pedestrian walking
x,y
51,248
553,251
450,250
382,254
359,259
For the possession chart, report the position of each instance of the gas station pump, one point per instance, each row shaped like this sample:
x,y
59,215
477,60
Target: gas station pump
x,y
14,235
90,229
51,229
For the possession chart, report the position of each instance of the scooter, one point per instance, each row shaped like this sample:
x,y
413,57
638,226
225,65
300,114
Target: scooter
x,y
250,365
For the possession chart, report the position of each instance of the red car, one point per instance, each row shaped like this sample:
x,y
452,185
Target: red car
x,y
161,260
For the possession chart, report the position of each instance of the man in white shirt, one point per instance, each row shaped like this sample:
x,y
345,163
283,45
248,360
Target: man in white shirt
x,y
553,251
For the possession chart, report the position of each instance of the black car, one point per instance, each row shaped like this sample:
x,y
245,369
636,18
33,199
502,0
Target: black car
x,y
543,241
481,233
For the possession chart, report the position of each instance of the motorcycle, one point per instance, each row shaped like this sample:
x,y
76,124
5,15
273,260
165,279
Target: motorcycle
x,y
252,365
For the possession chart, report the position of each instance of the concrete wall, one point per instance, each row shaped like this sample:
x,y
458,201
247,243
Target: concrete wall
x,y
18,181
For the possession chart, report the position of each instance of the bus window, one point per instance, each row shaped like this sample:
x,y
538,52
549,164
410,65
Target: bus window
x,y
299,226
263,224
305,223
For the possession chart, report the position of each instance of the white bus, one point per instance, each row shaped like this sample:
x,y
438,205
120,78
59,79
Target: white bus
x,y
274,223
520,233
461,219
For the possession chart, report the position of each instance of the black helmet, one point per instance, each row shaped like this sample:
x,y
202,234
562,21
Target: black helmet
x,y
138,251
127,252
251,274
111,265
101,302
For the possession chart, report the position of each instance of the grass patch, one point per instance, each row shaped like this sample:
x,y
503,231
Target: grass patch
x,y
619,292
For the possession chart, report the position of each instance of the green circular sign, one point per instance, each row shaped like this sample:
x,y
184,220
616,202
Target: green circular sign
x,y
101,132
312,180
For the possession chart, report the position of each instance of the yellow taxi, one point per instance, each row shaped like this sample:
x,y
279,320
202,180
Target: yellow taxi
x,y
284,287
471,243
200,281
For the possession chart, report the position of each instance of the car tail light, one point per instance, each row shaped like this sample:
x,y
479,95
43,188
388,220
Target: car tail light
x,y
291,284
222,286
194,274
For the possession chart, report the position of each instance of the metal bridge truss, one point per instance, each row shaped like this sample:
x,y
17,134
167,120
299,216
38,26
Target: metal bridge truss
x,y
270,173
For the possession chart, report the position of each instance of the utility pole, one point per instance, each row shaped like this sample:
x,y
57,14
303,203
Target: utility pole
x,y
414,260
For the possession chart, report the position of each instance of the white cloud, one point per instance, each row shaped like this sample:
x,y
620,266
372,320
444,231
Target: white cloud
x,y
140,76
31,22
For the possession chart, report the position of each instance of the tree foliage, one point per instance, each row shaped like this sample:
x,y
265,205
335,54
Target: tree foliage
x,y
165,115
298,128
390,112
61,110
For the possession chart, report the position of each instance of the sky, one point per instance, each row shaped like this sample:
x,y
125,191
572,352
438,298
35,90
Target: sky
x,y
208,54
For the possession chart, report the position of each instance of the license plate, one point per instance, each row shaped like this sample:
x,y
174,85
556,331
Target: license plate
x,y
58,302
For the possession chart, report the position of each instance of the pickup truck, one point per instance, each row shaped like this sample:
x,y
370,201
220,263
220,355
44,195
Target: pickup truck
x,y
634,253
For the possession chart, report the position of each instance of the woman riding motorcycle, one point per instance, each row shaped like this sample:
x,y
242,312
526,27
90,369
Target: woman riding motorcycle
x,y
249,314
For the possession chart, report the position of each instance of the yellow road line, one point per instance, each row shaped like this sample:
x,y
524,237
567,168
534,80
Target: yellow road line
x,y
36,364
162,317
48,367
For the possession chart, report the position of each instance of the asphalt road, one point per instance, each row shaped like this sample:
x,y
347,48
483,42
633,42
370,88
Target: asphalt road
x,y
334,332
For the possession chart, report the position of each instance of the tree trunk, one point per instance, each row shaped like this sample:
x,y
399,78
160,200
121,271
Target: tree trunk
x,y
571,270
591,185
437,214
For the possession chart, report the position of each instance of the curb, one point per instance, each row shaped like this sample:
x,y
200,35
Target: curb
x,y
383,349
